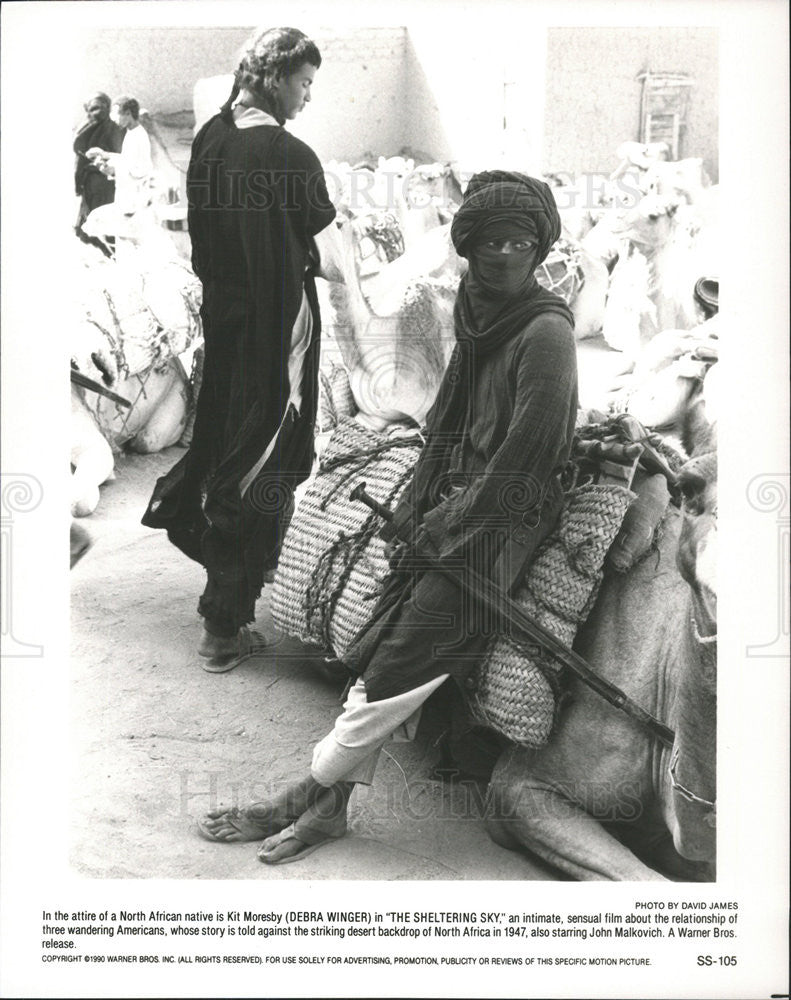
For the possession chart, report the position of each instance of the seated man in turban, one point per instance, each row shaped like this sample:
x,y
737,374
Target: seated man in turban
x,y
485,493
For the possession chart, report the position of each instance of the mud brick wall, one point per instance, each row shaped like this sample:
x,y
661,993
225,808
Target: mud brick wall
x,y
593,94
359,99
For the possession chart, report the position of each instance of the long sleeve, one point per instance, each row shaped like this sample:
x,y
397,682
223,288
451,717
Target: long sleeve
x,y
511,488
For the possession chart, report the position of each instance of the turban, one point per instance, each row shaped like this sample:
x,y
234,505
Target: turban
x,y
496,197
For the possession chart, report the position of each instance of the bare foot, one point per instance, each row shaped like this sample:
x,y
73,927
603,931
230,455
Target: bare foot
x,y
287,846
282,847
229,825
321,823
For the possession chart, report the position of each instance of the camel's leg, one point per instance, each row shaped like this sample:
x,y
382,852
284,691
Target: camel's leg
x,y
655,846
532,815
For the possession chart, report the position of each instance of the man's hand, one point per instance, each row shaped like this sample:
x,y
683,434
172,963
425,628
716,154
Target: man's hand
x,y
394,551
398,551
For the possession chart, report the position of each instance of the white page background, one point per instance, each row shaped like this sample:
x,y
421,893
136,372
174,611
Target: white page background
x,y
37,109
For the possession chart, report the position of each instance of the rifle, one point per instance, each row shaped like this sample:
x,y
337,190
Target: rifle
x,y
493,597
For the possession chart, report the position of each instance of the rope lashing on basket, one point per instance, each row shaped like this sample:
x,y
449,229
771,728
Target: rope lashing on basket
x,y
314,554
320,602
564,259
329,403
358,461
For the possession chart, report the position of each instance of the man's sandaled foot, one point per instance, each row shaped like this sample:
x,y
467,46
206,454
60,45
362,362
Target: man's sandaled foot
x,y
216,646
224,654
286,846
234,825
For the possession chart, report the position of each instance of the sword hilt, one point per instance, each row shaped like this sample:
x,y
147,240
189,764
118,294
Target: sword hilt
x,y
358,493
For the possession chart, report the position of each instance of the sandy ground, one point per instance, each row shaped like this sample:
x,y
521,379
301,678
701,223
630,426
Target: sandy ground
x,y
158,741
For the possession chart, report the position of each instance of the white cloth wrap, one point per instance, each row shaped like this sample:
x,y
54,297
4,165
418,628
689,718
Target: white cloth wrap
x,y
351,750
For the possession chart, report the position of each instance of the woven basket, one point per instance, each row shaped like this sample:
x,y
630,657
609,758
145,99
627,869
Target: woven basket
x,y
512,691
332,563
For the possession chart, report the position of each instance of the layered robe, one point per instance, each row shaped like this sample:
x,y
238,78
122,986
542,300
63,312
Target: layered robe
x,y
484,494
257,196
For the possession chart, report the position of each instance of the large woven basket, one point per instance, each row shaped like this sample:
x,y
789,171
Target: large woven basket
x,y
332,563
514,693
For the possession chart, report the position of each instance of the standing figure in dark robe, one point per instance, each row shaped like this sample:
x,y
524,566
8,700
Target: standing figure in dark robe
x,y
257,196
93,186
486,492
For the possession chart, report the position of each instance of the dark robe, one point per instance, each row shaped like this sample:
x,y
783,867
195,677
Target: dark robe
x,y
484,494
90,183
256,198
486,489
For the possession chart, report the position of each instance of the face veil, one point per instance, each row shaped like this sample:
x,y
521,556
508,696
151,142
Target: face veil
x,y
501,206
498,274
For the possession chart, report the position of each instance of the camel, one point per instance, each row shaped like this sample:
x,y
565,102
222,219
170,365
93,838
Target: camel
x,y
393,204
409,193
590,302
133,317
646,166
396,360
652,285
434,258
604,800
426,197
668,377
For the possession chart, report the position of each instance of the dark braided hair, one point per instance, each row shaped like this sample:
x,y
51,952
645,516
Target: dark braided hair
x,y
271,53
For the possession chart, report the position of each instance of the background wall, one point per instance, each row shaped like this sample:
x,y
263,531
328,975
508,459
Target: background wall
x,y
556,100
379,89
478,104
593,94
158,66
359,101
